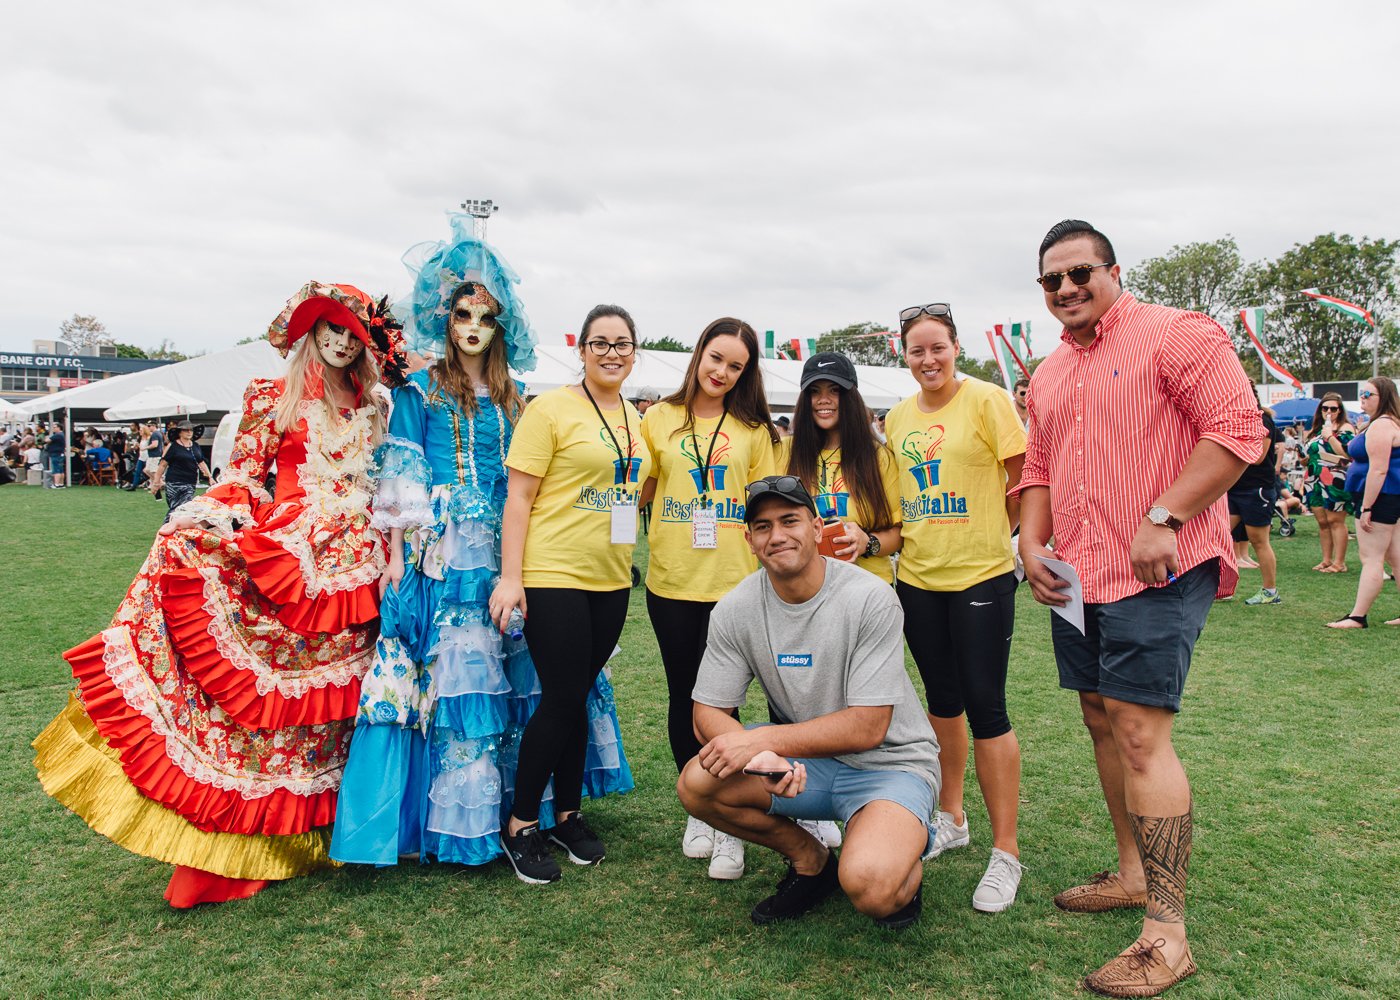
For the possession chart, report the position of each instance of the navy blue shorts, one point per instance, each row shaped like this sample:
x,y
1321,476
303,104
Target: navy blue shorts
x,y
1255,506
1138,649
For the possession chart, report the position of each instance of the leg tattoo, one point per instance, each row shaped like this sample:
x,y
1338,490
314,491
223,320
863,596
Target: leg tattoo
x,y
1164,842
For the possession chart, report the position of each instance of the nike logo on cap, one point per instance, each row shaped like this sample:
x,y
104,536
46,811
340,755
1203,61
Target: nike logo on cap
x,y
823,364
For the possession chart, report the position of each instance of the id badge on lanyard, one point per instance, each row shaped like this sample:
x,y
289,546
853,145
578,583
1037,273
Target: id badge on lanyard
x,y
624,518
704,527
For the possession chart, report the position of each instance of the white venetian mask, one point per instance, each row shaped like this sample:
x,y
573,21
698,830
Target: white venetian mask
x,y
339,347
473,322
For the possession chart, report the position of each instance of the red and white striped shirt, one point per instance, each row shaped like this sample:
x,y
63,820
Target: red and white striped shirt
x,y
1111,427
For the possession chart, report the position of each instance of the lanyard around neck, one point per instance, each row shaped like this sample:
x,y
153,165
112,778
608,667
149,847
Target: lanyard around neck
x,y
627,426
709,455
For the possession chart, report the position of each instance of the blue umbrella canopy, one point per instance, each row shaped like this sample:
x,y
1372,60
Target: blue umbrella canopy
x,y
1300,411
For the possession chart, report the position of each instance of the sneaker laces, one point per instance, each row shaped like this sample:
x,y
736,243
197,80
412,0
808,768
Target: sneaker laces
x,y
1142,954
535,848
1002,870
579,826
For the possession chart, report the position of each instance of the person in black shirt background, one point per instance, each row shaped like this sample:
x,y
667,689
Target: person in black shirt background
x,y
1252,500
177,472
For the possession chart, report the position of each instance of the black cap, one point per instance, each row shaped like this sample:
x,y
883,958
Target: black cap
x,y
783,421
831,366
790,488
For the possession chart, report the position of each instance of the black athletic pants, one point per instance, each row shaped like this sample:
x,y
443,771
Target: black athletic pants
x,y
571,634
681,629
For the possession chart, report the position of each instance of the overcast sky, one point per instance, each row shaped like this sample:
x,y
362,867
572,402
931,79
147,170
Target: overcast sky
x,y
179,170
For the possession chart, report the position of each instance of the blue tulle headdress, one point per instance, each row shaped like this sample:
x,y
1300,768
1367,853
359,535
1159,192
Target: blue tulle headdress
x,y
439,269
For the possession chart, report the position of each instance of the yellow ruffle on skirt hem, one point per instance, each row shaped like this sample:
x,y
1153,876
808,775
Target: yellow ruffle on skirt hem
x,y
79,769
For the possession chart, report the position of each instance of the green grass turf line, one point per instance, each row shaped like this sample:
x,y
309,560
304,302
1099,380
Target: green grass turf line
x,y
1289,735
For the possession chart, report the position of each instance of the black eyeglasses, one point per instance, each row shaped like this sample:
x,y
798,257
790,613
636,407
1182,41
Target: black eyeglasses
x,y
932,309
1079,275
778,484
602,347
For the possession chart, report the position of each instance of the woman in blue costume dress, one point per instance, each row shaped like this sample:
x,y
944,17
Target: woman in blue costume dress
x,y
432,762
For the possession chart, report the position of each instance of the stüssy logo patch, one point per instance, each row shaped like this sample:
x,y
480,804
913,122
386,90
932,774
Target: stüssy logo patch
x,y
794,659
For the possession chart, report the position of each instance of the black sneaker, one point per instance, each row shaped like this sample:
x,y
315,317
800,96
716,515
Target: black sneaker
x,y
529,855
907,915
798,893
579,840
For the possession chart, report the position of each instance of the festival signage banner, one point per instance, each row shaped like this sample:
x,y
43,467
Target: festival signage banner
x,y
1253,320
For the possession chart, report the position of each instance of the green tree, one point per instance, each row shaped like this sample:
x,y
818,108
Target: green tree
x,y
862,343
1208,278
165,351
1315,343
84,333
664,344
129,351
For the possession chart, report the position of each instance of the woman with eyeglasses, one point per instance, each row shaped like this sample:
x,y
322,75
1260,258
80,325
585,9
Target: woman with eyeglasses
x,y
1323,487
576,463
708,440
1375,477
960,448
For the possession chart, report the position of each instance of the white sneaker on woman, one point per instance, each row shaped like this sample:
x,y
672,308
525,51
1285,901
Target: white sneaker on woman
x,y
997,890
727,860
824,830
947,835
699,839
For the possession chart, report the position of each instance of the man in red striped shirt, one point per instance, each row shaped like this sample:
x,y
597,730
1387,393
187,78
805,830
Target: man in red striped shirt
x,y
1139,422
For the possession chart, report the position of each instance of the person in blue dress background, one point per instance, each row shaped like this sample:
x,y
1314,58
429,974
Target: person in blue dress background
x,y
433,759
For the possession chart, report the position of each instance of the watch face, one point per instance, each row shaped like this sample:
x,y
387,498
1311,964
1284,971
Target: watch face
x,y
1158,515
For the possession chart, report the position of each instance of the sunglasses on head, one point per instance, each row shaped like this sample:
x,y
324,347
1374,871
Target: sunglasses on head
x,y
1080,275
779,484
932,309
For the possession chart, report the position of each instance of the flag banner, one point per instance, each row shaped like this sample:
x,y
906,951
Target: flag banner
x,y
1253,320
1348,309
1006,357
804,349
571,339
1024,330
769,350
894,346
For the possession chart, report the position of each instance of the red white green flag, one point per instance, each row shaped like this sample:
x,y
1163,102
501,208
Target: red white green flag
x,y
1348,309
804,349
1006,358
1022,332
1253,320
770,349
894,344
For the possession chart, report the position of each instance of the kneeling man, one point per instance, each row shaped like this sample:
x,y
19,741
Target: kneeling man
x,y
850,740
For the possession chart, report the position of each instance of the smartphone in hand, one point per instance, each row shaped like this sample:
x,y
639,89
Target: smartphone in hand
x,y
759,772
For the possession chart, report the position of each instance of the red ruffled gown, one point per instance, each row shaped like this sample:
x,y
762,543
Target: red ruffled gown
x,y
211,721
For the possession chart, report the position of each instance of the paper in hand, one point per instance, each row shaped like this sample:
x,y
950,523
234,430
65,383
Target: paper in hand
x,y
1073,612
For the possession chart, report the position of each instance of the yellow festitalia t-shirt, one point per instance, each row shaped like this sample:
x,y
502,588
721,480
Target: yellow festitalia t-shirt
x,y
952,485
737,455
834,498
561,440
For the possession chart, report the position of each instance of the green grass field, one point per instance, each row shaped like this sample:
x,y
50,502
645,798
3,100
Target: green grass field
x,y
1289,734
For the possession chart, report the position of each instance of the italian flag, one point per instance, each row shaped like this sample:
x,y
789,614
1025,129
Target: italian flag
x,y
770,350
1253,320
1022,332
894,344
1006,358
804,349
1348,309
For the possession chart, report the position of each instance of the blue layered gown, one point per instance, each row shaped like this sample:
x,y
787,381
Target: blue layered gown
x,y
432,763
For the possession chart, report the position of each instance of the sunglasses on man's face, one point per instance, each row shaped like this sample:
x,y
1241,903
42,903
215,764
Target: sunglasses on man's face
x,y
1080,275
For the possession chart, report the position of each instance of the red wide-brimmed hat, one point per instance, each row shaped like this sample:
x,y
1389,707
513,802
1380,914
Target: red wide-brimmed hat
x,y
344,305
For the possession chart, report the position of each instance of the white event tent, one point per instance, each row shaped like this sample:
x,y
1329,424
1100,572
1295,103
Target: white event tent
x,y
219,379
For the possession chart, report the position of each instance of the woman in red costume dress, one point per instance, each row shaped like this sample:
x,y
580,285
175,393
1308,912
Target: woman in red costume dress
x,y
211,721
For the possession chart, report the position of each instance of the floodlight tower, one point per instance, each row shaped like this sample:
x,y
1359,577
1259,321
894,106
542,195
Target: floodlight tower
x,y
480,210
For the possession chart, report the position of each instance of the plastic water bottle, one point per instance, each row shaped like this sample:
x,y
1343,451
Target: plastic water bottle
x,y
515,625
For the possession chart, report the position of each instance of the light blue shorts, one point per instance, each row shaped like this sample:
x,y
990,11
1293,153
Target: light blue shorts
x,y
836,790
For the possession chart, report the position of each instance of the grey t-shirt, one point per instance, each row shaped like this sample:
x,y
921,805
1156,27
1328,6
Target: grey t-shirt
x,y
843,648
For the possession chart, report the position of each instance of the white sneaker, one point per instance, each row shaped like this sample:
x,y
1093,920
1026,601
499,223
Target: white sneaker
x,y
947,835
997,890
727,860
699,839
826,831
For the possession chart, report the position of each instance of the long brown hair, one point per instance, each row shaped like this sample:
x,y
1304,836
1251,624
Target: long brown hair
x,y
1387,399
746,401
450,374
1316,427
860,454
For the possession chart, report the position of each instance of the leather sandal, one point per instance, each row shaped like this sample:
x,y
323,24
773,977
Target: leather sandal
x,y
1360,621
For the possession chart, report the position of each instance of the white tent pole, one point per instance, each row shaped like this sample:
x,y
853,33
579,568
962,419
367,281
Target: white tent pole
x,y
67,447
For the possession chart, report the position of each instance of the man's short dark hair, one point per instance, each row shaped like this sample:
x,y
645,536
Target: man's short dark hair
x,y
1021,383
1071,228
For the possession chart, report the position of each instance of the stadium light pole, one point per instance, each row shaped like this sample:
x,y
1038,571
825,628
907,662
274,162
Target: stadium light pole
x,y
480,209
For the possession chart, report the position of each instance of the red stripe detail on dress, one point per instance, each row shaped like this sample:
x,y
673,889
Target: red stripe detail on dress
x,y
233,689
278,576
150,769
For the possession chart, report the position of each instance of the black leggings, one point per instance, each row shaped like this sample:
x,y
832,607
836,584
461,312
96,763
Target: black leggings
x,y
571,634
961,642
681,630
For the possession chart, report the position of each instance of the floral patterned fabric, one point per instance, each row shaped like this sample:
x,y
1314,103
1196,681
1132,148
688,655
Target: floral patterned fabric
x,y
228,680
